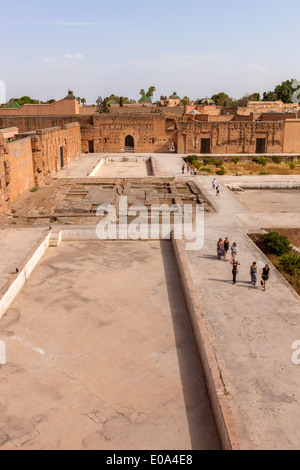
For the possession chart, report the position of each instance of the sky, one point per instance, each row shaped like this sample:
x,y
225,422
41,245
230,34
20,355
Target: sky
x,y
194,47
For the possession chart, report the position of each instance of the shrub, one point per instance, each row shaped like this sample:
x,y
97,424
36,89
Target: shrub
x,y
192,158
217,163
292,166
291,264
276,244
276,159
221,171
34,190
263,161
264,173
207,161
235,160
260,160
205,168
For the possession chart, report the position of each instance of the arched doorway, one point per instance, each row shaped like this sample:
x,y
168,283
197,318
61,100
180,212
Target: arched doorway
x,y
129,144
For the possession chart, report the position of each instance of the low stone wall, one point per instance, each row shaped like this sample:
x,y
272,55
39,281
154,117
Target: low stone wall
x,y
13,287
274,185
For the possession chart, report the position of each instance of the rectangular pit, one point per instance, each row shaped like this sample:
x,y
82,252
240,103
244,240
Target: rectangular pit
x,y
109,359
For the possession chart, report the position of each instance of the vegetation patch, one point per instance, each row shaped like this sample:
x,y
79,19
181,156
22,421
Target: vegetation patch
x,y
279,251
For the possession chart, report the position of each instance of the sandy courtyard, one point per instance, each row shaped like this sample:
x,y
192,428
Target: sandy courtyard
x,y
274,201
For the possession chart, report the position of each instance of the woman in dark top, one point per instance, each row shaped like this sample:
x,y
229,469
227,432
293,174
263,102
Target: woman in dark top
x,y
226,246
265,276
235,265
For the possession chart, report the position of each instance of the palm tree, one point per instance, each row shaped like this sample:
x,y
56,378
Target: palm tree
x,y
142,92
185,101
150,92
83,101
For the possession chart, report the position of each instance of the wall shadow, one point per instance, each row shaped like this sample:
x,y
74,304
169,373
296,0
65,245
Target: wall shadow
x,y
201,422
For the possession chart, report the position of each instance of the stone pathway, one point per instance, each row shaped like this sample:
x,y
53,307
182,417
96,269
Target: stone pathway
x,y
251,331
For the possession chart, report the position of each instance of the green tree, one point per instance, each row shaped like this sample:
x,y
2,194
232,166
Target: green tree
x,y
254,97
142,92
83,101
283,92
185,101
221,99
150,92
102,105
270,96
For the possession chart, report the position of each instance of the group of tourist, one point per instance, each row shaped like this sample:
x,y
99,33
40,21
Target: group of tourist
x,y
216,187
189,169
222,252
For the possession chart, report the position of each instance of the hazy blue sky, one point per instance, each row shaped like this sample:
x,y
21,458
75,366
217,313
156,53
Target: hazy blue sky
x,y
194,47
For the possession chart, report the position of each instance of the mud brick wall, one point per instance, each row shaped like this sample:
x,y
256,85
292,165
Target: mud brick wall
x,y
32,123
154,132
4,177
151,133
47,145
234,137
19,168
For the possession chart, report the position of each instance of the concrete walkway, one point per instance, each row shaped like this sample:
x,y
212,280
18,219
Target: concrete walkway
x,y
251,331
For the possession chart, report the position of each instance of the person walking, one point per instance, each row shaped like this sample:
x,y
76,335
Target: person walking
x,y
226,246
235,270
218,191
214,184
220,249
234,251
183,169
253,273
265,276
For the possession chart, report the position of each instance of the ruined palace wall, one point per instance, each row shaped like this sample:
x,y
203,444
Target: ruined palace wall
x,y
19,168
16,170
32,123
234,137
292,136
155,132
4,191
47,145
150,133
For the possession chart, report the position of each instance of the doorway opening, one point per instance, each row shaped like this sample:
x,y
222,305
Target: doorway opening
x,y
91,146
62,164
205,145
261,145
129,144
